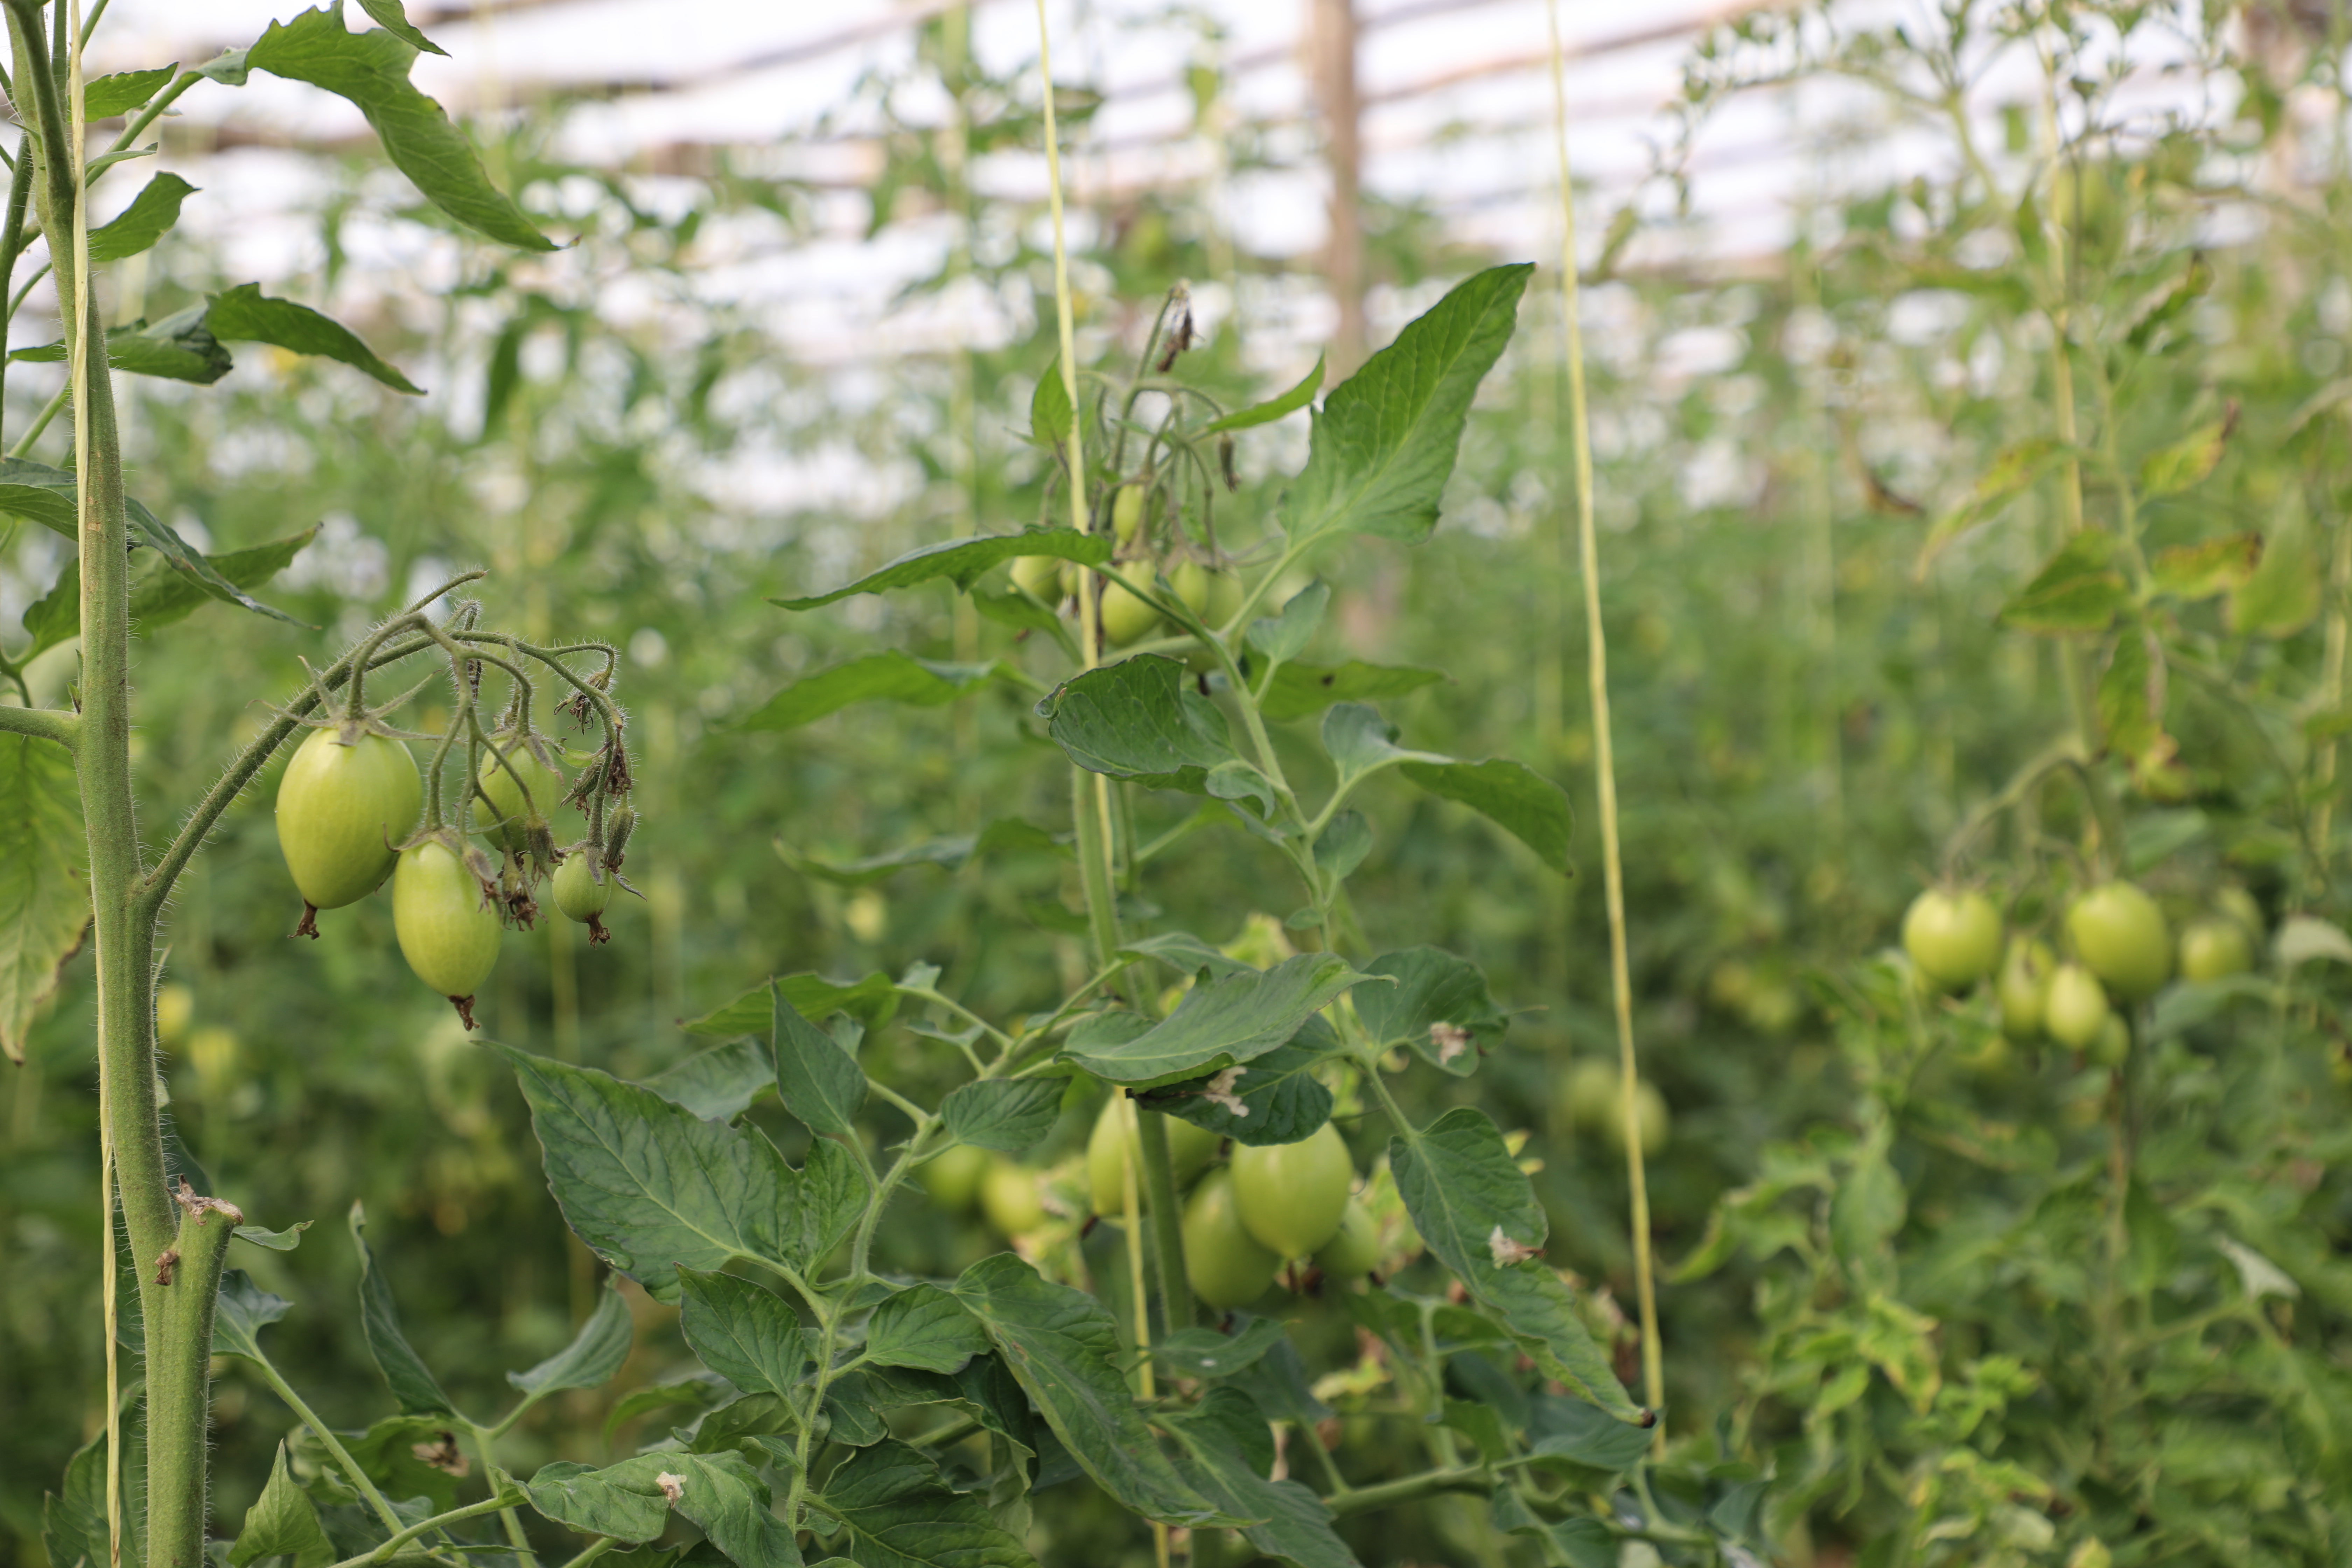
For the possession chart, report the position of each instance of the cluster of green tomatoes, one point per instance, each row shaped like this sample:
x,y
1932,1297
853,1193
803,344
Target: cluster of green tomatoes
x,y
1242,1221
1208,591
351,812
2120,950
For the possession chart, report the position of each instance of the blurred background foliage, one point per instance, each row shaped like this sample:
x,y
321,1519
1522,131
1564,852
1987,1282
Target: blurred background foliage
x,y
1803,713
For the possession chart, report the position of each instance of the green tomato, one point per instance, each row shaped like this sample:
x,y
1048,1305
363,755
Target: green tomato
x,y
2214,947
2112,1045
1953,937
2023,988
1191,581
1224,1266
340,811
1291,1196
1039,576
1128,617
578,892
1356,1250
2076,1008
1010,1197
2120,936
1190,1149
1225,596
1588,1093
502,815
1126,512
1649,1111
953,1177
449,931
2239,905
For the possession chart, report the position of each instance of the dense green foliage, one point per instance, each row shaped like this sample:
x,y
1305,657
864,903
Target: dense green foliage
x,y
1962,1297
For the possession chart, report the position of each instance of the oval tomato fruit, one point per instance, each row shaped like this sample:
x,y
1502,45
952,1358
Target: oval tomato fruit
x,y
2023,988
1356,1250
501,816
1291,1196
1039,577
953,1177
2076,1008
1224,1266
2214,947
2120,936
449,931
1010,1198
578,892
1954,938
1190,1149
340,811
1128,617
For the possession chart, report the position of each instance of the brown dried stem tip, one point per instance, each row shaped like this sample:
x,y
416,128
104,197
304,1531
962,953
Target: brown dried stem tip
x,y
465,1005
309,926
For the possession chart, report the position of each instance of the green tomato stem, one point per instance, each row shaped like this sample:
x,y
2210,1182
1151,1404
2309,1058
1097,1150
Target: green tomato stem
x,y
383,1553
1165,1217
1477,1479
332,1443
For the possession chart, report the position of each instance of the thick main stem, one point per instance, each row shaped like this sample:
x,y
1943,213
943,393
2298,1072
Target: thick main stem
x,y
1621,983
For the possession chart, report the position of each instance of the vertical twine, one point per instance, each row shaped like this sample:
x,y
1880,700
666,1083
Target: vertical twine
x,y
1605,765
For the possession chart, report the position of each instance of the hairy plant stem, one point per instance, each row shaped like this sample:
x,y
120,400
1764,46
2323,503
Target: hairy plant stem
x,y
12,237
332,1443
498,1500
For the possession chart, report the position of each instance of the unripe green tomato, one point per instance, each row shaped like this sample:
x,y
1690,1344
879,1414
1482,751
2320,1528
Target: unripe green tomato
x,y
578,893
1040,575
2112,1045
2213,947
1225,596
1356,1250
1953,937
1128,617
1224,1266
1126,512
1191,581
448,932
2076,1008
2023,988
1650,1110
1291,1196
2239,905
953,1178
1190,1149
1010,1198
2120,936
500,817
340,811
176,1006
1587,1093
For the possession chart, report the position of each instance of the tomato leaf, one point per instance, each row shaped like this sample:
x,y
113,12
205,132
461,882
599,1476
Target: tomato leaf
x,y
370,69
161,597
891,677
650,1186
2130,698
1064,1348
2077,590
871,1001
595,1354
2012,472
1206,1352
44,879
1475,1207
898,1511
1386,440
1220,1022
150,216
2208,567
1285,636
720,1494
1439,1006
821,1083
1513,796
282,1523
1573,1429
244,314
180,347
962,561
1141,718
1050,417
412,1384
743,1331
720,1083
1274,1099
2282,596
105,97
1009,1115
1227,1451
242,1312
389,15
1272,409
2186,463
923,1327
